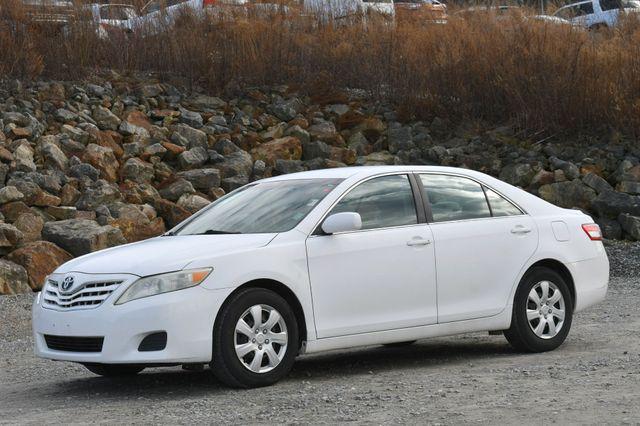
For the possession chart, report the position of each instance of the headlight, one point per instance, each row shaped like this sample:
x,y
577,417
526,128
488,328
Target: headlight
x,y
164,283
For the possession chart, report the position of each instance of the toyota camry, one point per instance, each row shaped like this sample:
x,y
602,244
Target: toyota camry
x,y
325,260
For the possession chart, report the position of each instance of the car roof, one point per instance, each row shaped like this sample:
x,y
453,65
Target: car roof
x,y
364,171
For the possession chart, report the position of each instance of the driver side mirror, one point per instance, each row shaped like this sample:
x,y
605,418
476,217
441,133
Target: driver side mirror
x,y
342,222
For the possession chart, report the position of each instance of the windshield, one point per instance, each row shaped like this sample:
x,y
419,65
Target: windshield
x,y
261,208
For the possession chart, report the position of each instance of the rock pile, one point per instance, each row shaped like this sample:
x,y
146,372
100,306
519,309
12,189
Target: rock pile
x,y
88,166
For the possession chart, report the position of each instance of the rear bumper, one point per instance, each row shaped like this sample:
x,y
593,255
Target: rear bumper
x,y
591,279
187,316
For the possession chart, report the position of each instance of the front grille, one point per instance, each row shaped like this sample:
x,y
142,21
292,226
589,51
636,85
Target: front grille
x,y
74,344
87,296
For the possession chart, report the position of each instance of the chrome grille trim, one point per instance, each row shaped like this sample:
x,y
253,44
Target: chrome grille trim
x,y
89,295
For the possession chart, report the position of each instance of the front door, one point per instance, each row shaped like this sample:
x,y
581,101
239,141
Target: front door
x,y
381,277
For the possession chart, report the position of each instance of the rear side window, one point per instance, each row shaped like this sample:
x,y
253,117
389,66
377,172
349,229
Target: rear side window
x,y
454,198
501,206
381,202
609,4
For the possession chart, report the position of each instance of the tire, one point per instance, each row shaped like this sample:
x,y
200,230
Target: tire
x,y
399,344
246,371
114,370
535,334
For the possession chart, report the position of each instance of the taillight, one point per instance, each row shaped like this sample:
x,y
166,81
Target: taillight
x,y
593,231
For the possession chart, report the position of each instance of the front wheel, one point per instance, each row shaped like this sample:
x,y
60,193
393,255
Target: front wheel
x,y
114,370
542,312
255,339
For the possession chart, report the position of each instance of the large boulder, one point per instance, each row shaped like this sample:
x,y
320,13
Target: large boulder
x,y
105,119
13,278
82,236
10,237
568,194
630,225
176,189
137,170
202,179
9,194
30,224
287,148
102,159
53,156
520,174
97,194
611,203
596,182
134,224
171,212
39,259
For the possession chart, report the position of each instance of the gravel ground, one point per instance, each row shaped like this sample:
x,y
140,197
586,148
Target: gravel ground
x,y
594,378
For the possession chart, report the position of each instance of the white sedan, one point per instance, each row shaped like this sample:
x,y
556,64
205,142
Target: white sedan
x,y
323,260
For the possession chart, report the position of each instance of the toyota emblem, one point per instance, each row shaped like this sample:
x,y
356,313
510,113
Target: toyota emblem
x,y
67,283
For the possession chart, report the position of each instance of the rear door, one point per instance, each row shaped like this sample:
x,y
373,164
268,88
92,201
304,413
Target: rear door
x,y
482,241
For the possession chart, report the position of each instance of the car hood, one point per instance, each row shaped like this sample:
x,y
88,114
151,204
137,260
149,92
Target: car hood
x,y
162,254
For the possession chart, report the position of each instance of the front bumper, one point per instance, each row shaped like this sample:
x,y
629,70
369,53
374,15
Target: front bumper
x,y
187,316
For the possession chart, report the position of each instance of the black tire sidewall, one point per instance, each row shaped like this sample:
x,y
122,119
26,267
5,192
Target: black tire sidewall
x,y
528,338
224,338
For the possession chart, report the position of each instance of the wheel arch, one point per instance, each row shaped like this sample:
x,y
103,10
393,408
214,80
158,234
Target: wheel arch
x,y
560,268
283,291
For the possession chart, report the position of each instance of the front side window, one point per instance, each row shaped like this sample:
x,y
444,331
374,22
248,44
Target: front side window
x,y
266,207
454,198
382,202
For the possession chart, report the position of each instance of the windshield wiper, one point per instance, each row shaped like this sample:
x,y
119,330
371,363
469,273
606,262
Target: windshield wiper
x,y
216,232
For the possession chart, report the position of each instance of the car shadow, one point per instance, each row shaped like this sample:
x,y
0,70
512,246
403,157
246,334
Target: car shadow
x,y
164,382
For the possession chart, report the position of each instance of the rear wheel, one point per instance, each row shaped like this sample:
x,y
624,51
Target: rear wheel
x,y
255,340
114,370
542,312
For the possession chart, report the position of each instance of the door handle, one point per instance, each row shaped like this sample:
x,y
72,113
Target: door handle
x,y
418,242
520,230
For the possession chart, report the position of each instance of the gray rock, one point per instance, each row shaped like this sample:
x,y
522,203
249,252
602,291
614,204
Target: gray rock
x,y
520,174
96,194
203,103
10,193
597,183
239,163
571,171
568,194
611,204
64,115
82,236
193,158
286,111
232,183
105,119
202,179
84,171
315,149
192,202
610,228
190,118
176,189
399,139
193,137
630,225
53,156
629,187
13,278
137,170
23,156
288,166
298,132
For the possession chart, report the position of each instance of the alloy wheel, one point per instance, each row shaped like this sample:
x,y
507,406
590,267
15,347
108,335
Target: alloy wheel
x,y
261,338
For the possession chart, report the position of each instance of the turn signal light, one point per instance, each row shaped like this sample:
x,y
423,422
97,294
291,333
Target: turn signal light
x,y
593,231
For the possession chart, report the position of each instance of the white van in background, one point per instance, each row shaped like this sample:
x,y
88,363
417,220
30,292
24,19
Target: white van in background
x,y
336,10
594,14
